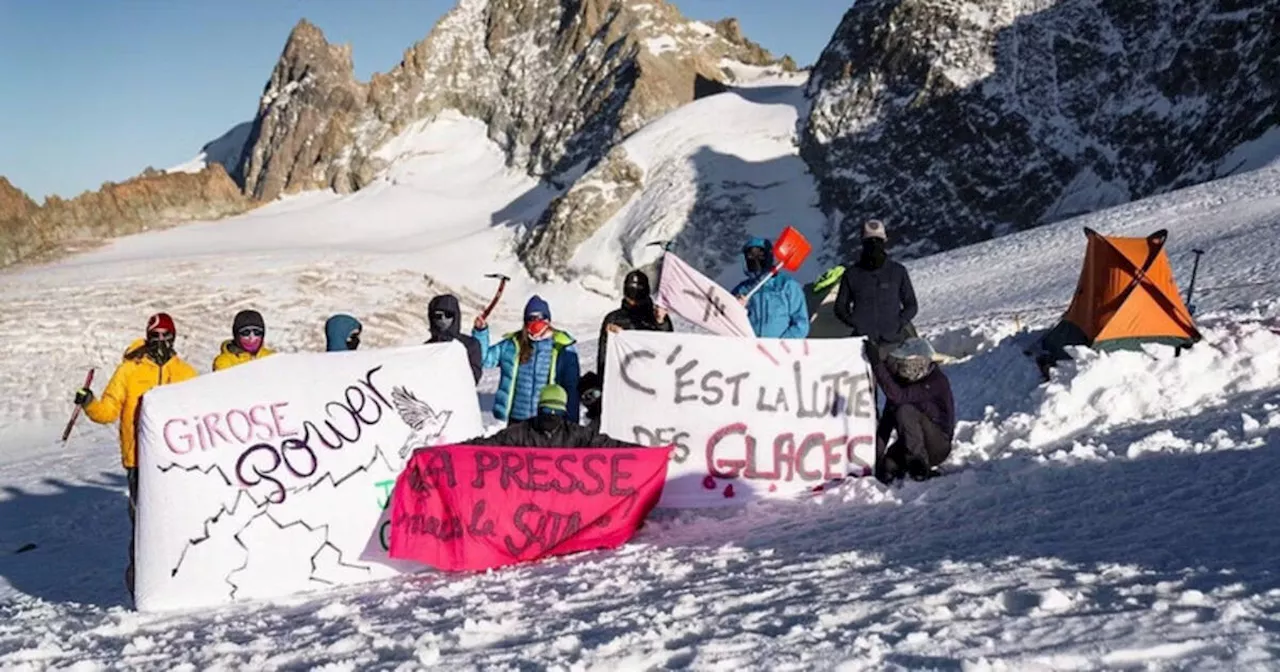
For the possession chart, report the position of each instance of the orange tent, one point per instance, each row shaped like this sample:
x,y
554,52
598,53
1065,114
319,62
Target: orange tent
x,y
1125,297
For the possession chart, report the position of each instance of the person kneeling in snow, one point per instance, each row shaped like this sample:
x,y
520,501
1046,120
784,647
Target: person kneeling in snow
x,y
919,407
248,341
550,428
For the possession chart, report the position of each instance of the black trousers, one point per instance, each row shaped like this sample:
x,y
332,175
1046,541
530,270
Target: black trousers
x,y
131,475
920,445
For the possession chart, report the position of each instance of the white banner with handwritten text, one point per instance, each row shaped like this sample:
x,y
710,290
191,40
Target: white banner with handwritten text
x,y
273,477
750,418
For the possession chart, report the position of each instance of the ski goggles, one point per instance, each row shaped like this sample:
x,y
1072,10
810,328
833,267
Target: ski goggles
x,y
534,317
250,332
160,335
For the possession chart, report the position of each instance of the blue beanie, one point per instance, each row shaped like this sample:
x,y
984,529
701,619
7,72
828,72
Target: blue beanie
x,y
537,305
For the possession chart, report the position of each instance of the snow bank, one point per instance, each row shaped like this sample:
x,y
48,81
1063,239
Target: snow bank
x,y
1120,404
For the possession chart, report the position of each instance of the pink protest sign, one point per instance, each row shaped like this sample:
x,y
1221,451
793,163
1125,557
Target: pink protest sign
x,y
471,508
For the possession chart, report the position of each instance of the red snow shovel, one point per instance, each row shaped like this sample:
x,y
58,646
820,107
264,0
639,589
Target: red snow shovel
x,y
790,250
88,380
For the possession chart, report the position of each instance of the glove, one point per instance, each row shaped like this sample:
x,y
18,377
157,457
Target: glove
x,y
84,396
871,351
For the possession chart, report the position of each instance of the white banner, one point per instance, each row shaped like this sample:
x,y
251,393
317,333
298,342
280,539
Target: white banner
x,y
693,296
273,477
751,418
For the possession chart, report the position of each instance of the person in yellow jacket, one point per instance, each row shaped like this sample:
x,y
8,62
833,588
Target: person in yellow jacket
x,y
248,334
147,363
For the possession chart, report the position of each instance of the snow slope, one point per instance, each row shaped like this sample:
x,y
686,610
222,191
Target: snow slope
x,y
1121,516
227,149
715,172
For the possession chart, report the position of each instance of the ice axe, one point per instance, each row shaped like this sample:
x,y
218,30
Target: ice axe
x,y
791,249
88,380
502,284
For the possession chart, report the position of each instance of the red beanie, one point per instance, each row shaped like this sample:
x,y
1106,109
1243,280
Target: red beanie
x,y
160,321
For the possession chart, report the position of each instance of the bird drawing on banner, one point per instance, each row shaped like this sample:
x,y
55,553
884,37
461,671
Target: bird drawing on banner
x,y
427,425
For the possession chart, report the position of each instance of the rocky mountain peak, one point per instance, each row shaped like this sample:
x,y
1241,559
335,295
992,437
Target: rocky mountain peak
x,y
960,120
557,82
304,117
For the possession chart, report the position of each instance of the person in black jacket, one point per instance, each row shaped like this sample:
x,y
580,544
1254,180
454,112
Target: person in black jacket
x,y
919,408
636,312
443,315
876,298
550,428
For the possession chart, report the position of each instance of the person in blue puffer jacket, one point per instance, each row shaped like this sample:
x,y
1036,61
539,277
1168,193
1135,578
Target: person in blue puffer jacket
x,y
529,359
778,309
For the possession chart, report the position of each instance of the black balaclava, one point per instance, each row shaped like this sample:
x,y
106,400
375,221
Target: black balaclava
x,y
873,254
635,290
757,259
160,347
442,316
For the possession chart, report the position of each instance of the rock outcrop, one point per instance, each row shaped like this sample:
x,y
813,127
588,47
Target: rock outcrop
x,y
151,200
558,82
960,120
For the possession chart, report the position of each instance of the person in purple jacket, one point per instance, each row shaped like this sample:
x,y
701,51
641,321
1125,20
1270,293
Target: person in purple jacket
x,y
919,407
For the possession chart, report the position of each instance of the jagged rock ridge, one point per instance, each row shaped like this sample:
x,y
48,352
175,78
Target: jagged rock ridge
x,y
960,120
152,199
557,81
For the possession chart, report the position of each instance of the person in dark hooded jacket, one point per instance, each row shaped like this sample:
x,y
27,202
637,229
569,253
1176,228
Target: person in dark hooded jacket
x,y
636,312
550,428
875,297
445,317
919,407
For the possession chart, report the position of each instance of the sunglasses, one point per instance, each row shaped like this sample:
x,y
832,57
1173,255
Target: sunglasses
x,y
442,315
250,331
534,317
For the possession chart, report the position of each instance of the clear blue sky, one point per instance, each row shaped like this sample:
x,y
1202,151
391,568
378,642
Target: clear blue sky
x,y
97,90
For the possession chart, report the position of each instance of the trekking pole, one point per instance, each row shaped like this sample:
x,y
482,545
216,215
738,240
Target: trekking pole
x,y
1191,289
88,380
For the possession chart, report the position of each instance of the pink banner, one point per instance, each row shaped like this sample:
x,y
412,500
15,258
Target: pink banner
x,y
471,508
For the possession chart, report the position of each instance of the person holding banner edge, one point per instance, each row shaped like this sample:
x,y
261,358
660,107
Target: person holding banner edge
x,y
147,363
528,359
778,308
637,312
